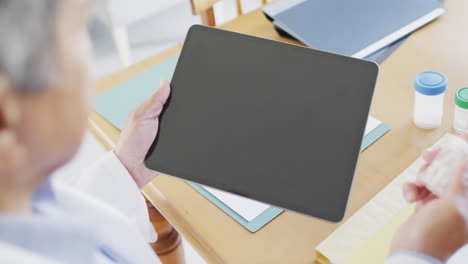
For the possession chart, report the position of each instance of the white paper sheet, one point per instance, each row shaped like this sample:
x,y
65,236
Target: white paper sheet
x,y
245,207
248,208
372,123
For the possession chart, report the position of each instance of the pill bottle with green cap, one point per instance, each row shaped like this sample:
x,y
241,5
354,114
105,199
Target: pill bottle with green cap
x,y
460,122
429,94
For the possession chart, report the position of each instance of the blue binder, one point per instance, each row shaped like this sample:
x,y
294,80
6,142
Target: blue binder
x,y
116,103
354,28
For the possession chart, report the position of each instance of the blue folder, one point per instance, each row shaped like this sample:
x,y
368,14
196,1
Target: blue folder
x,y
272,10
355,28
116,103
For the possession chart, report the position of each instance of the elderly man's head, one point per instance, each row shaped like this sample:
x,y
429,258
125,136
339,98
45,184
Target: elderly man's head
x,y
44,87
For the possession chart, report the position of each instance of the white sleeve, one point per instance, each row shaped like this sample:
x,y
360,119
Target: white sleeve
x,y
108,180
410,257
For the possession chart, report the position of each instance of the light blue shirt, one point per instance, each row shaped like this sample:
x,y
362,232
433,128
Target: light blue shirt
x,y
68,226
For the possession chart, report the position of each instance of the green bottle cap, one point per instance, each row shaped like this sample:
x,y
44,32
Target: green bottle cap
x,y
461,98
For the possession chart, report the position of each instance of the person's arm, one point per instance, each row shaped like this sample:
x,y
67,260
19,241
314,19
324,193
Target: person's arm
x,y
439,225
138,133
118,177
109,181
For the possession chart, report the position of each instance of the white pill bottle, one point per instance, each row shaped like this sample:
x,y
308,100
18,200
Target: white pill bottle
x,y
460,122
429,95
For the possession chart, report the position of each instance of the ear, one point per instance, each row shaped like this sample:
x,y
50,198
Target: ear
x,y
11,152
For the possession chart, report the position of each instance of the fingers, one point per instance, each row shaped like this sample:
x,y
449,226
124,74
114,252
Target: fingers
x,y
152,106
420,195
160,97
429,154
459,182
410,192
421,203
414,193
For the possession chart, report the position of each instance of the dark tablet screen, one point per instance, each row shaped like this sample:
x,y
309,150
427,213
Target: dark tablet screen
x,y
275,122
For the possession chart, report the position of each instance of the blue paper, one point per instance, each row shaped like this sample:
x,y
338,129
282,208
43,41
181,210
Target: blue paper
x,y
375,134
116,103
254,225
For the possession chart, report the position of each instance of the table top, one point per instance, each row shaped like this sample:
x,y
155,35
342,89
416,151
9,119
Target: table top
x,y
291,238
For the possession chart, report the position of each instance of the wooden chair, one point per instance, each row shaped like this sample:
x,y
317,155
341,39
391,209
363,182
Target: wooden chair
x,y
204,8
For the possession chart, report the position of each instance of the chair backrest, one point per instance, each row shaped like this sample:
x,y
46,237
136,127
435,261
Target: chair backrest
x,y
204,8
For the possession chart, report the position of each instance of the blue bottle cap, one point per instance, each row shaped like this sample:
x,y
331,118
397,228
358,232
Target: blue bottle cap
x,y
430,83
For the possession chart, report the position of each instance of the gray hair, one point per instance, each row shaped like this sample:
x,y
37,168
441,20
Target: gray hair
x,y
27,44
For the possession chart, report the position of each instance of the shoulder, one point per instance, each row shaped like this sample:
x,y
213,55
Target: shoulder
x,y
113,228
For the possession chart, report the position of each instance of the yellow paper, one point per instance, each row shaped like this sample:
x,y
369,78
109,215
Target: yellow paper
x,y
373,222
376,249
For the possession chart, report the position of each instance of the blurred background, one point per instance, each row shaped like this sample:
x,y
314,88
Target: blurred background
x,y
161,25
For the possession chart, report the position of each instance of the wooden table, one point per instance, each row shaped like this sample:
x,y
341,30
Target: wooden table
x,y
291,238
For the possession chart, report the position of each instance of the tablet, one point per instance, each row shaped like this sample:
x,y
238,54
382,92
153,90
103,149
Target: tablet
x,y
267,120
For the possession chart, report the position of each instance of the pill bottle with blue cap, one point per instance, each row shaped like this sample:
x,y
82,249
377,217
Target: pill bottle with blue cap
x,y
460,122
429,94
